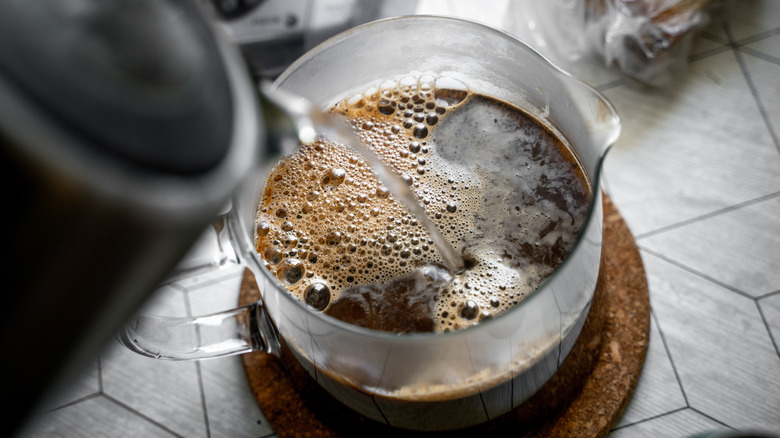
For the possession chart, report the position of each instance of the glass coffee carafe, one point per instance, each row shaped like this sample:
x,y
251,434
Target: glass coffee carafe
x,y
428,381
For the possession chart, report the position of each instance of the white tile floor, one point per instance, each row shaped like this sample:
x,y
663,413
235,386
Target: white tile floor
x,y
696,174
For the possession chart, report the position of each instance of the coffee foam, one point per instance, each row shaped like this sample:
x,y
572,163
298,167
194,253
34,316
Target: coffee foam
x,y
326,220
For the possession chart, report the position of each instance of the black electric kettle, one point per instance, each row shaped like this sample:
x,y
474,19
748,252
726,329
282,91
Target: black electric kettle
x,y
125,126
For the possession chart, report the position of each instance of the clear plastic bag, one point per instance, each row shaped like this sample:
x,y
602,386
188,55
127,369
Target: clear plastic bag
x,y
647,40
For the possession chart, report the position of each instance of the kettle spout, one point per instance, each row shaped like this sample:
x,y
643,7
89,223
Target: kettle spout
x,y
288,120
292,120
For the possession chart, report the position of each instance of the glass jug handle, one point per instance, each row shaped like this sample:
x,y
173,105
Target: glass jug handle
x,y
235,331
226,333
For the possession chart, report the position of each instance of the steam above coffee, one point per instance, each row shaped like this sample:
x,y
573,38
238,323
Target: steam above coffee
x,y
505,191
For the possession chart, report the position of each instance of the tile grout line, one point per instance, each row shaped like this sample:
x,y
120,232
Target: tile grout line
x,y
752,86
768,329
697,273
175,285
709,215
752,39
756,300
709,53
710,417
202,391
760,55
669,355
75,402
141,415
653,417
762,110
706,277
768,294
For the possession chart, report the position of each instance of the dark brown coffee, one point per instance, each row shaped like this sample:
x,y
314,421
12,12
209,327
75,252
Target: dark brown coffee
x,y
504,189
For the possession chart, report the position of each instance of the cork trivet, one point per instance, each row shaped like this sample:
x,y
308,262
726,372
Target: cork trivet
x,y
584,398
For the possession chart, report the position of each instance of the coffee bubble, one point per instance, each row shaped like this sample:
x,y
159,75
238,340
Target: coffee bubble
x,y
272,255
334,177
317,295
420,130
262,228
470,310
291,271
333,238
